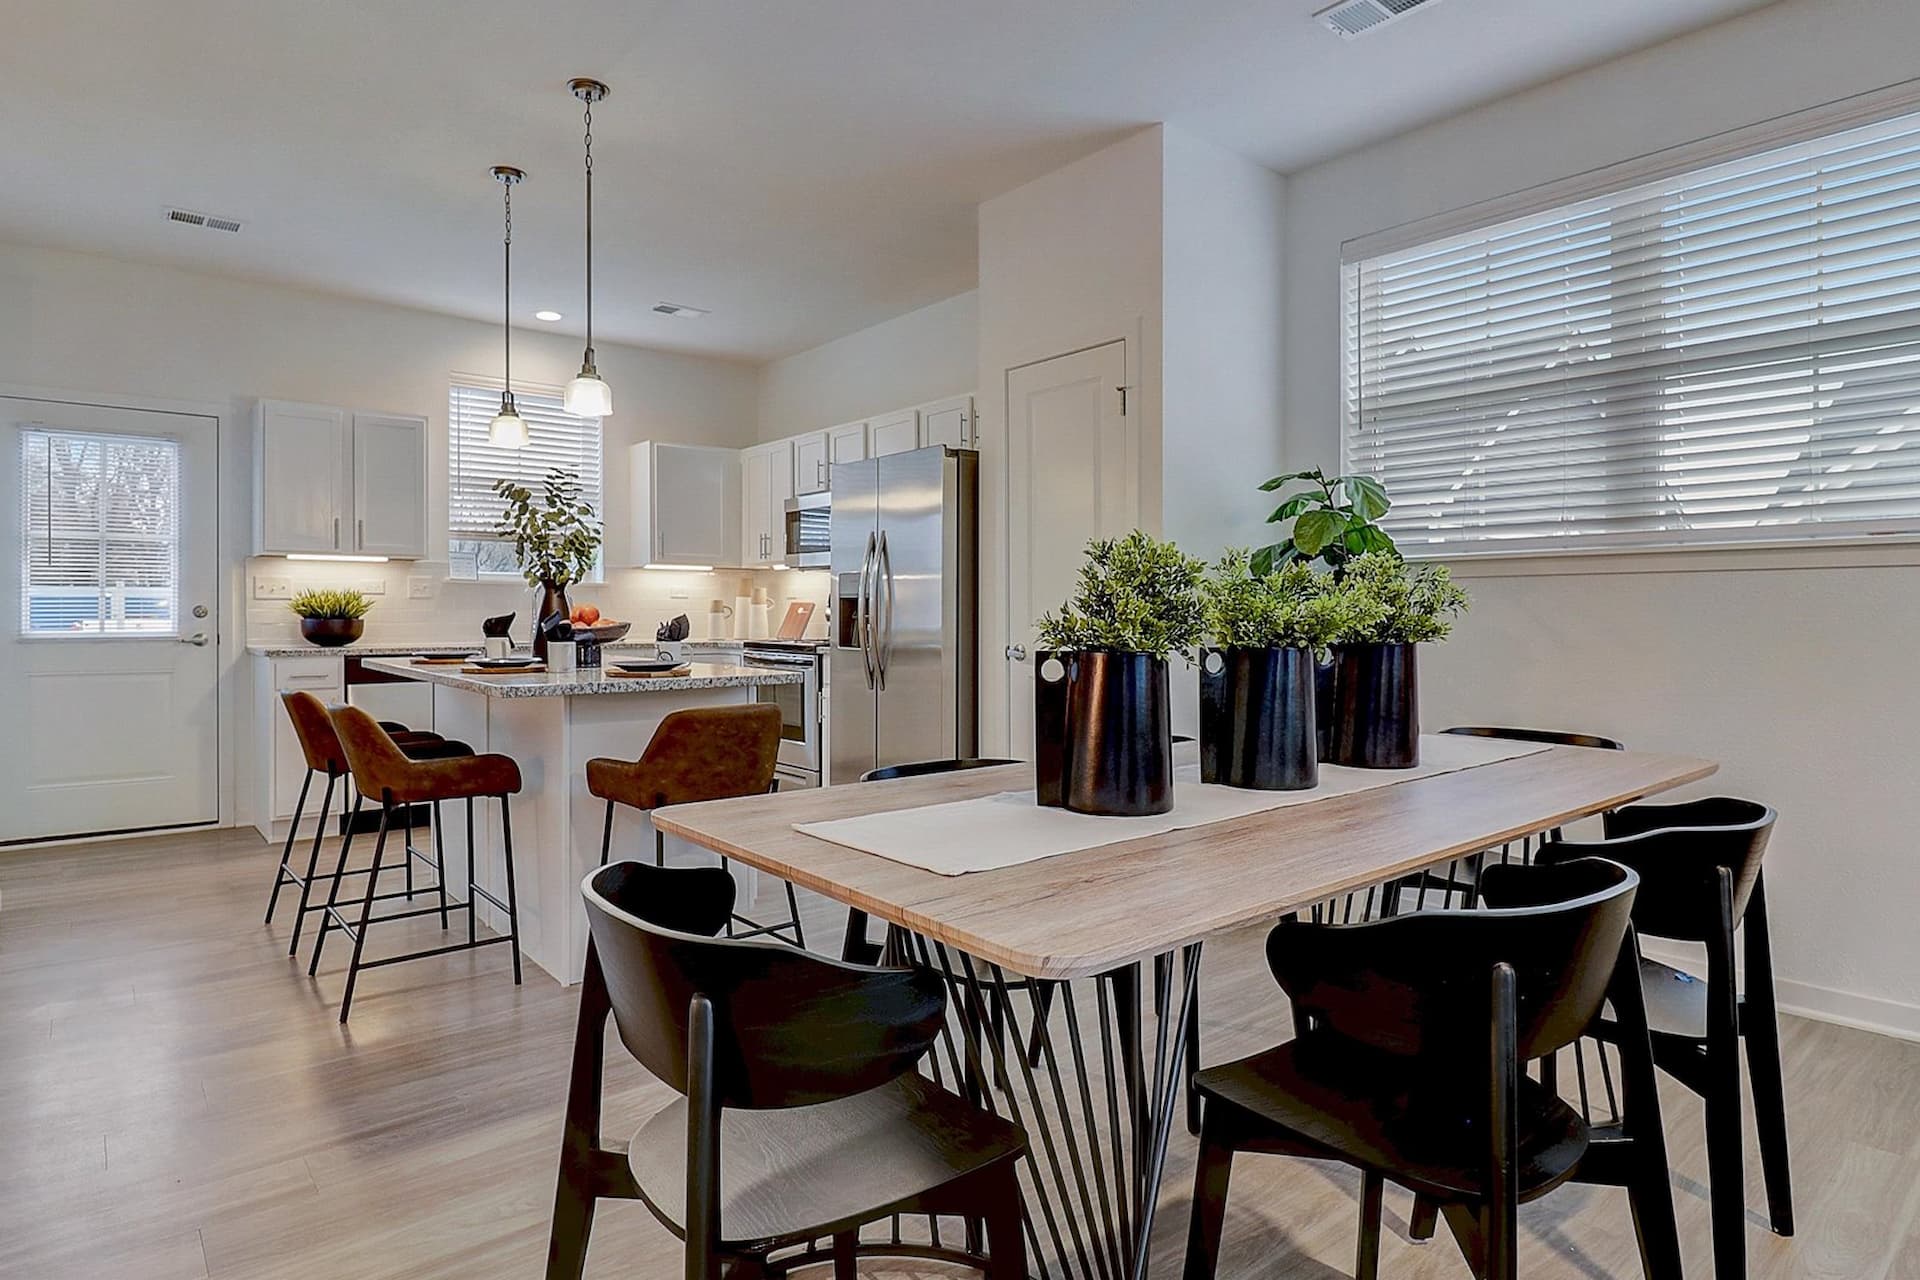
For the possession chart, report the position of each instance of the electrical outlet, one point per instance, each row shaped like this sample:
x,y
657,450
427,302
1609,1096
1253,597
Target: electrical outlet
x,y
419,588
676,592
265,588
373,587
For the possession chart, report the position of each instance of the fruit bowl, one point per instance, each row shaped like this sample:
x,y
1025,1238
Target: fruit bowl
x,y
604,632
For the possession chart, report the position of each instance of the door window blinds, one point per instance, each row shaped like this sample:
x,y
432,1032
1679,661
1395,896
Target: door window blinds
x,y
99,551
1727,355
556,439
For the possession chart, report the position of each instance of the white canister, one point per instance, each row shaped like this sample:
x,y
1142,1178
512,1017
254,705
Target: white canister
x,y
562,657
499,646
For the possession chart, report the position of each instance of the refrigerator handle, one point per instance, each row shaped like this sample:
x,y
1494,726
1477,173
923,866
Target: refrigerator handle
x,y
862,611
884,574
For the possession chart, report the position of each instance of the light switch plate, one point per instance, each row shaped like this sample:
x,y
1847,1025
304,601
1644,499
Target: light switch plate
x,y
372,587
266,588
676,592
419,588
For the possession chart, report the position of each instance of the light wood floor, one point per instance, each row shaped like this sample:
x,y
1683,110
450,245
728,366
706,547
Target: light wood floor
x,y
176,1100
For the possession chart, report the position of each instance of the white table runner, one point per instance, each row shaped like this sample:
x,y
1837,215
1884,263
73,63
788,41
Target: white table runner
x,y
1008,829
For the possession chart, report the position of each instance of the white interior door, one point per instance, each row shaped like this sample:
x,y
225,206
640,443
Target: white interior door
x,y
110,662
1070,478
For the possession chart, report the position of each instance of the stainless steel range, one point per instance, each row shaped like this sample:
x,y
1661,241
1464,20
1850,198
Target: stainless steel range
x,y
801,705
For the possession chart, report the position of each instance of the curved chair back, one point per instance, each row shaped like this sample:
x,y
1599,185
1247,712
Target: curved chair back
x,y
922,768
314,729
1677,850
1411,985
1552,737
712,753
377,762
793,1028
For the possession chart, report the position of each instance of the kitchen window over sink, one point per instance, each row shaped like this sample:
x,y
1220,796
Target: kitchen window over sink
x,y
557,439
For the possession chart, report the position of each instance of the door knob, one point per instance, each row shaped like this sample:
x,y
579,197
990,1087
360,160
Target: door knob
x,y
1016,653
198,639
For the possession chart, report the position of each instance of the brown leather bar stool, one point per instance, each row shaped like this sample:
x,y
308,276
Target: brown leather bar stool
x,y
383,772
325,756
702,753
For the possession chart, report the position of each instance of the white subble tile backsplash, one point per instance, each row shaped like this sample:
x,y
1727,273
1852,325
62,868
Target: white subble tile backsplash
x,y
452,611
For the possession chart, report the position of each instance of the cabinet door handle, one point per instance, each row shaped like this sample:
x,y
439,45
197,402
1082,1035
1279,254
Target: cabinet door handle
x,y
336,533
360,535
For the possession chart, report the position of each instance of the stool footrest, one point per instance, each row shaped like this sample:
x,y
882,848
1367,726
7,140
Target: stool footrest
x,y
449,949
352,928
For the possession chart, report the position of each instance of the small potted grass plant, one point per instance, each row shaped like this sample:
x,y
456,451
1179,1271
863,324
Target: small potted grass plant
x,y
1102,706
1396,607
331,618
1258,724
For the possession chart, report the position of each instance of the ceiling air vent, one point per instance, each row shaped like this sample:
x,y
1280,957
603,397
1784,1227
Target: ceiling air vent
x,y
680,309
1352,18
188,218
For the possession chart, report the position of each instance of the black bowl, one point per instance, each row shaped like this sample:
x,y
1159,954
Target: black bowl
x,y
331,633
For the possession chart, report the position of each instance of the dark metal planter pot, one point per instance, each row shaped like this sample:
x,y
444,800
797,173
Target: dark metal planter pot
x,y
1103,733
1258,727
331,633
1376,718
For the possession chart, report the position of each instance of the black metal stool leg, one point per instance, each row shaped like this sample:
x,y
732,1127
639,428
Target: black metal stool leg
x,y
406,817
659,846
313,865
793,915
473,906
513,901
283,872
366,908
606,835
333,889
440,864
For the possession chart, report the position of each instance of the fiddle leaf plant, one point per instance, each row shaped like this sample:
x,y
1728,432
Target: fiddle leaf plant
x,y
555,534
1293,607
1335,519
1400,603
1134,595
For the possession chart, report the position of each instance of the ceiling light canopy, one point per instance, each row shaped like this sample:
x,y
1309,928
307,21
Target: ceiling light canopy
x,y
588,395
508,430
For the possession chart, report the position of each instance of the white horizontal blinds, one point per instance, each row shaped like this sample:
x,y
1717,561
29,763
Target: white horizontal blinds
x,y
1731,354
556,439
99,546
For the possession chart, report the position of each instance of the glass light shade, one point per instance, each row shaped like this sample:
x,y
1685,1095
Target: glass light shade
x,y
507,431
588,396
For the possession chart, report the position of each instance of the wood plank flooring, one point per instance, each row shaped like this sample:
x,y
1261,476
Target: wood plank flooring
x,y
176,1100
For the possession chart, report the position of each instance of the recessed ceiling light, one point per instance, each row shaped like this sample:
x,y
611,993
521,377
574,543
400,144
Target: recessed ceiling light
x,y
680,309
548,316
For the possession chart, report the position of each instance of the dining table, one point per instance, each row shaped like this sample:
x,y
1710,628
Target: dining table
x,y
1073,977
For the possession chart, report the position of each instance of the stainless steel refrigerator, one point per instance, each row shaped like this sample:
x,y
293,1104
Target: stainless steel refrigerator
x,y
904,675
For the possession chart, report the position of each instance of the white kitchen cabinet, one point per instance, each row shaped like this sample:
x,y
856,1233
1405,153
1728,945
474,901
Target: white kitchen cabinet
x,y
389,486
948,422
766,484
332,481
846,443
895,433
685,507
278,763
810,459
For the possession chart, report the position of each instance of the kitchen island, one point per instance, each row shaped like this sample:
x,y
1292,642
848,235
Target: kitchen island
x,y
552,725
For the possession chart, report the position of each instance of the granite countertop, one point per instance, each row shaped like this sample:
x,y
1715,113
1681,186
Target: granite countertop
x,y
358,649
590,682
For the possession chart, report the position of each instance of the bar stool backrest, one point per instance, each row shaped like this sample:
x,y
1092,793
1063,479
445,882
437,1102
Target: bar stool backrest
x,y
314,729
1417,985
1677,850
792,1028
377,762
712,753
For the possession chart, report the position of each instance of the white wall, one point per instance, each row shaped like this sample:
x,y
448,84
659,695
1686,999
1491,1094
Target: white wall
x,y
924,355
106,328
1794,670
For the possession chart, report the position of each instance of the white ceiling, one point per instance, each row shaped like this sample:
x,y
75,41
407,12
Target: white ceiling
x,y
803,168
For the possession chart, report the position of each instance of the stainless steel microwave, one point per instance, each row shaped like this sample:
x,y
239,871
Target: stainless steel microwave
x,y
810,531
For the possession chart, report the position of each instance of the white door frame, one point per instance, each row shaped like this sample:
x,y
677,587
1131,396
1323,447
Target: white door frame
x,y
231,523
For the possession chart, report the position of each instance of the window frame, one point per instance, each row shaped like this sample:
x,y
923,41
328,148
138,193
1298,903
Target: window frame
x,y
523,392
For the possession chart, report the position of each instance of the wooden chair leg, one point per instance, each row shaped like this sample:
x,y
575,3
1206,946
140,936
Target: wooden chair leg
x,y
1424,1218
1650,1197
1193,1064
1006,1243
1760,1025
1211,1175
1366,1262
855,948
1726,1161
845,1265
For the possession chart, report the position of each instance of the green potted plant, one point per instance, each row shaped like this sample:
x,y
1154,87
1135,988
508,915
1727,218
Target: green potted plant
x,y
1258,723
1396,607
1102,707
331,618
556,539
1335,519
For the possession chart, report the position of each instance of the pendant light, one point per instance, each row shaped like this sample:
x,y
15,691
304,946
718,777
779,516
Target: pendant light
x,y
588,395
508,430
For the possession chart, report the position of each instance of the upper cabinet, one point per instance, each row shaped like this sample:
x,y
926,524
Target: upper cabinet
x,y
895,433
330,481
811,458
846,443
948,422
685,505
766,472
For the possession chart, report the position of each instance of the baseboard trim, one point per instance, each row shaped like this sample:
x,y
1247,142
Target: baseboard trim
x,y
1822,1004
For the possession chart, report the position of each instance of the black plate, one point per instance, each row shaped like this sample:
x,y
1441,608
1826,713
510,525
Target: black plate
x,y
448,657
648,666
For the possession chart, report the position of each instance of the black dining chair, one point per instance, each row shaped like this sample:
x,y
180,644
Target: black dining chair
x,y
1700,881
800,1115
1406,1064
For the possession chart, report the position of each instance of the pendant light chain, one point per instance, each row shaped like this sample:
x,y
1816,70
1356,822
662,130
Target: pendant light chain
x,y
506,290
588,395
589,141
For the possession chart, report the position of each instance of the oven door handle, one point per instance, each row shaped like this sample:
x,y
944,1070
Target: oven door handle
x,y
863,611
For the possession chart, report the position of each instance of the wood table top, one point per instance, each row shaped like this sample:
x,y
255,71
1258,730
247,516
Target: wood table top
x,y
1085,912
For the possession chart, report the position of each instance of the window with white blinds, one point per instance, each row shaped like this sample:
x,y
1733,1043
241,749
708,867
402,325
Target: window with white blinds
x,y
99,545
1729,355
556,438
